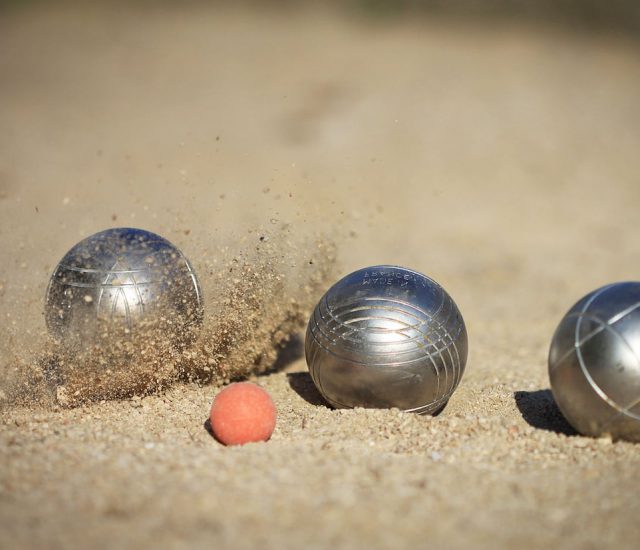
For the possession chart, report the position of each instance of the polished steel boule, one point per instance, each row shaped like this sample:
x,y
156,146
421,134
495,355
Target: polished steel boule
x,y
384,337
594,363
123,284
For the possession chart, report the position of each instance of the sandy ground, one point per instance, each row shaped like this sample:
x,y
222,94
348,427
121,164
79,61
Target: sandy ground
x,y
501,160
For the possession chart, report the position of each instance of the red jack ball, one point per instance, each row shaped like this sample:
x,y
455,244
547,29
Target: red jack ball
x,y
242,413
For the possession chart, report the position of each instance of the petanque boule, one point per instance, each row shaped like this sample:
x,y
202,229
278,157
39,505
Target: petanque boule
x,y
594,363
386,337
123,288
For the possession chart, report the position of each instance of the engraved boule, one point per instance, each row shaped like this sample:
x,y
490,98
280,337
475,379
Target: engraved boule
x,y
594,363
386,337
123,288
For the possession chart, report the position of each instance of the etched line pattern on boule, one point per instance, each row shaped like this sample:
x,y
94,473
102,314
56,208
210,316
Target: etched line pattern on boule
x,y
409,310
430,407
101,271
388,304
129,276
578,314
603,325
326,332
389,344
594,362
445,341
330,333
109,285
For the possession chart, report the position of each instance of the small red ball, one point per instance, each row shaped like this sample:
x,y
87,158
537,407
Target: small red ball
x,y
242,413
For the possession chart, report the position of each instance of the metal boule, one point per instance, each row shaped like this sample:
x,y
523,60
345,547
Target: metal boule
x,y
386,337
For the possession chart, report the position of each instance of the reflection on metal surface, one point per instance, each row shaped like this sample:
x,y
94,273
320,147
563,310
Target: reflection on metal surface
x,y
386,336
123,284
594,362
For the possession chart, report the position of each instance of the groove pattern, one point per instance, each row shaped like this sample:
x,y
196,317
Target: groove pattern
x,y
404,343
599,340
125,277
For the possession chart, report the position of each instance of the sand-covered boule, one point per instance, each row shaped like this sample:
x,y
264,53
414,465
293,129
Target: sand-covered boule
x,y
256,300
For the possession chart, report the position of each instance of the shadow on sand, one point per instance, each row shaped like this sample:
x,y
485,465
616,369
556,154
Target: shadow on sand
x,y
539,409
302,384
289,353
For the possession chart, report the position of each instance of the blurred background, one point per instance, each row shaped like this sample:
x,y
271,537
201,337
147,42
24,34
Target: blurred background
x,y
620,15
491,144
